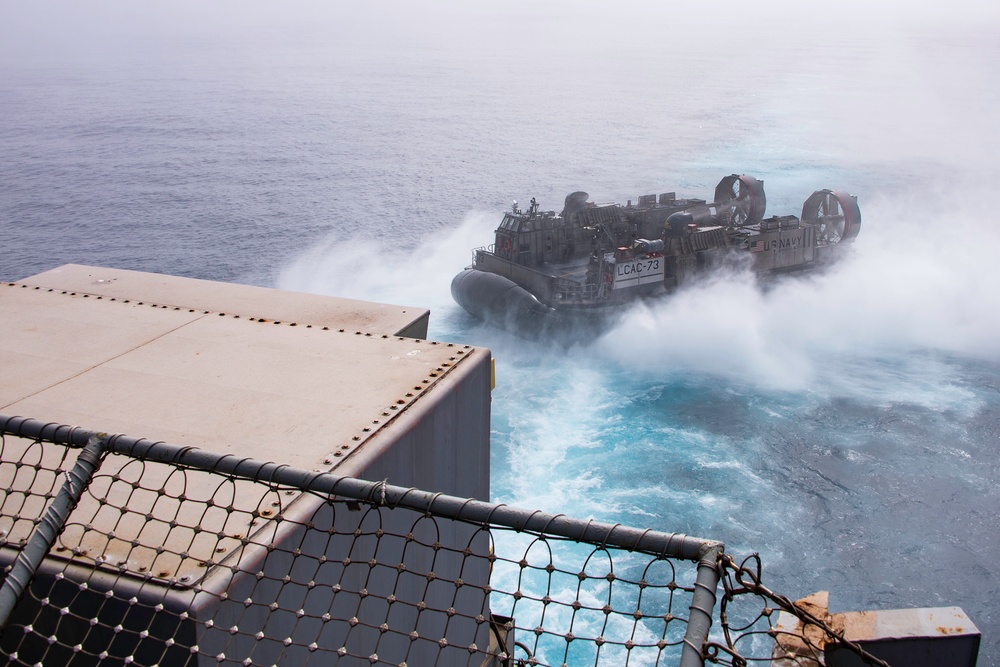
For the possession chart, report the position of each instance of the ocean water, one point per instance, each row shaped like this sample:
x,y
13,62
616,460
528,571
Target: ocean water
x,y
845,425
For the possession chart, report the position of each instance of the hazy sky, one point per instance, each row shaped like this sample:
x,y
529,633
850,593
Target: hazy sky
x,y
58,26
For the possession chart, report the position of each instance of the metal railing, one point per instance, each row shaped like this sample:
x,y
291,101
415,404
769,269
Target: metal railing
x,y
119,550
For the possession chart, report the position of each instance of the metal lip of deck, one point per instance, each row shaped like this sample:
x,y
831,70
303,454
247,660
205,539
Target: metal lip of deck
x,y
232,298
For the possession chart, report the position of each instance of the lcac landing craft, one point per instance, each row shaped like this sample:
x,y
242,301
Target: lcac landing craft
x,y
546,271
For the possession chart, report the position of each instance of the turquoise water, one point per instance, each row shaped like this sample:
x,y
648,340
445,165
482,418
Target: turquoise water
x,y
843,425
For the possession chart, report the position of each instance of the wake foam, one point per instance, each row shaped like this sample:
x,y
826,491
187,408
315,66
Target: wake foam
x,y
918,280
360,268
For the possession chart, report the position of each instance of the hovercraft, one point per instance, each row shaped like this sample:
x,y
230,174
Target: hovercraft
x,y
545,269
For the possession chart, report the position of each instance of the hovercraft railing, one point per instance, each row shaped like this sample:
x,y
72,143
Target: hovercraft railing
x,y
574,292
490,249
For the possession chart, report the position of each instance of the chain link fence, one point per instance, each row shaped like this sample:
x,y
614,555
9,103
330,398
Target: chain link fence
x,y
118,550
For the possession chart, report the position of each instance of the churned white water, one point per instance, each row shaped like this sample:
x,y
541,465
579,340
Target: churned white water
x,y
844,425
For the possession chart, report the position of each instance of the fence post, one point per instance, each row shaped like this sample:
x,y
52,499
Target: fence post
x,y
49,527
706,583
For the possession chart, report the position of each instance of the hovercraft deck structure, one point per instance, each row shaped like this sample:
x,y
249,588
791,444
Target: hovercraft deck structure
x,y
545,269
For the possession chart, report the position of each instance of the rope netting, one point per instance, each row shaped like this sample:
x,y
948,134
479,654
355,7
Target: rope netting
x,y
165,555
